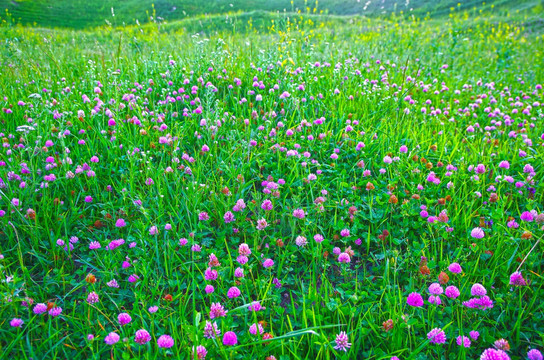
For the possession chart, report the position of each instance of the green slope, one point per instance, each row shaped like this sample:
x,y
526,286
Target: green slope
x,y
88,13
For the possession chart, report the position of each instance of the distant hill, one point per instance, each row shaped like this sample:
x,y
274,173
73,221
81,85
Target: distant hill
x,y
80,14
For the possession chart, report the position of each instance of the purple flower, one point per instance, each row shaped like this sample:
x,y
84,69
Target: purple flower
x,y
196,248
342,341
267,205
15,322
436,289
56,311
255,306
477,233
262,224
123,319
120,223
436,336
299,213
111,338
142,337
201,352
268,263
211,330
242,259
344,258
301,241
39,308
455,268
114,244
452,292
239,272
527,216
492,354
482,303
534,354
217,310
244,249
474,335
253,329
517,279
92,298
480,169
485,303
153,230
210,274
165,341
478,290
233,292
230,339
463,341
415,300
435,300
228,217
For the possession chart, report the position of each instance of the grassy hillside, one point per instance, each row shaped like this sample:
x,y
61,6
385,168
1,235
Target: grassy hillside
x,y
283,187
83,13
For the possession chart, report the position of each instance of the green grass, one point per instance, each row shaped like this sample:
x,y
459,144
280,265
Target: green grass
x,y
493,60
80,14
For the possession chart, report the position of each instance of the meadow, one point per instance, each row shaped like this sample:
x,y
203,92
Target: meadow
x,y
274,185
